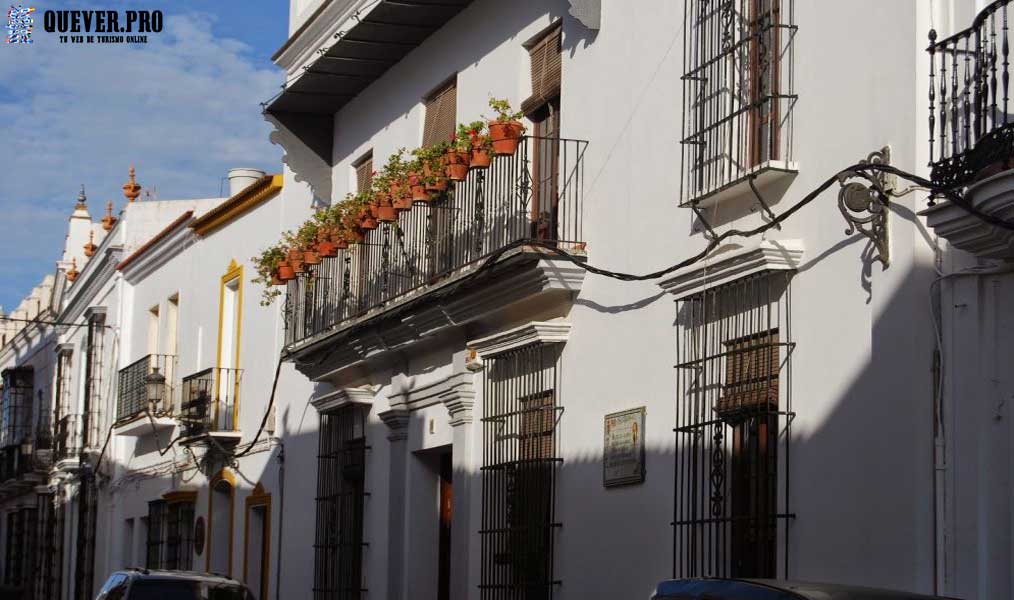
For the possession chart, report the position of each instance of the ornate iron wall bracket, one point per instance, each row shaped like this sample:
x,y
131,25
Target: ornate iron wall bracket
x,y
865,204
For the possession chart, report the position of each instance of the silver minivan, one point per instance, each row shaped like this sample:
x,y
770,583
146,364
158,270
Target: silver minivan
x,y
144,584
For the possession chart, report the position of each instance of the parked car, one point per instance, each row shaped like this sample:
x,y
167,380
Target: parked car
x,y
144,584
772,589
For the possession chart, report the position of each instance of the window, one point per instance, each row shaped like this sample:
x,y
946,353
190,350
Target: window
x,y
338,547
170,537
15,409
94,359
441,113
153,327
737,91
546,56
257,551
229,325
221,498
172,326
22,538
731,349
364,172
519,474
127,544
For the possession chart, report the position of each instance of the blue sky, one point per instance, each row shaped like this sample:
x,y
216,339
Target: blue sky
x,y
183,108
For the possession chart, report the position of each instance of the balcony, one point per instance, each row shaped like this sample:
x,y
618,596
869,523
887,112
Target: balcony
x,y
69,439
210,405
971,141
971,128
537,194
146,386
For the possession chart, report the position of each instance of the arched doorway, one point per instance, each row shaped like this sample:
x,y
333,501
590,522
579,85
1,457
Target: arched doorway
x,y
220,523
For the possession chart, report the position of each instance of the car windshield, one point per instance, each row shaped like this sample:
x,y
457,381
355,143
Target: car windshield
x,y
164,589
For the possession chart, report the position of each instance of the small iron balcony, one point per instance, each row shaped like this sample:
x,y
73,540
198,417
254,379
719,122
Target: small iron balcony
x,y
69,437
535,194
210,401
136,397
971,129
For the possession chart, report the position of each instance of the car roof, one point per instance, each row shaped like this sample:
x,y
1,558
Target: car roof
x,y
161,574
773,589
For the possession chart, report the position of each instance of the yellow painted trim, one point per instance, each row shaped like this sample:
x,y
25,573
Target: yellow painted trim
x,y
226,476
233,272
239,204
258,497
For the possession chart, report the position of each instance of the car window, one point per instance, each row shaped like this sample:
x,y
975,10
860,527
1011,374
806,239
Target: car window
x,y
114,587
227,591
163,589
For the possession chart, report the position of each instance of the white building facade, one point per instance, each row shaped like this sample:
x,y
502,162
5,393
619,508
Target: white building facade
x,y
480,400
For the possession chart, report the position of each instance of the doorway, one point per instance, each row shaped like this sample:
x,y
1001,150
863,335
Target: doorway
x,y
446,513
220,526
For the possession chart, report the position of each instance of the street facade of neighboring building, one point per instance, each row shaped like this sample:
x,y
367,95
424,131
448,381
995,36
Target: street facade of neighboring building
x,y
478,397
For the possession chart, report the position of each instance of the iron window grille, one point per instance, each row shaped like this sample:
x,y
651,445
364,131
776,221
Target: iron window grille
x,y
21,546
520,460
517,198
179,536
87,516
341,500
733,429
970,124
94,359
154,542
738,91
132,385
16,407
49,548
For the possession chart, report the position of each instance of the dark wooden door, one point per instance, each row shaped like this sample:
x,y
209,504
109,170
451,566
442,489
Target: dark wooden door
x,y
446,514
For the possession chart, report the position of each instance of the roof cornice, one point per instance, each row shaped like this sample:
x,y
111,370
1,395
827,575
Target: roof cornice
x,y
253,195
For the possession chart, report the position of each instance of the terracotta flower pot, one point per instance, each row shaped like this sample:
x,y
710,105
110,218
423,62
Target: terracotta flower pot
x,y
327,248
506,136
275,280
311,257
418,188
295,255
298,266
367,220
403,203
480,158
436,181
456,165
387,214
285,271
341,244
355,235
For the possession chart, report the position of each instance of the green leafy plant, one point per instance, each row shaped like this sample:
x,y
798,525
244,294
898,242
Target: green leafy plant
x,y
504,112
266,264
477,133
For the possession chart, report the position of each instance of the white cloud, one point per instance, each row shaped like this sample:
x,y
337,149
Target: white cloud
x,y
183,108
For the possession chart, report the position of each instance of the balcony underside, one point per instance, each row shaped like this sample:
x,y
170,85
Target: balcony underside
x,y
143,426
524,281
992,196
378,40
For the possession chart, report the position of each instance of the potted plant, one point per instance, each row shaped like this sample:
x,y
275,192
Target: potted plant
x,y
506,129
481,144
358,206
294,252
272,271
306,236
433,159
327,227
459,152
417,181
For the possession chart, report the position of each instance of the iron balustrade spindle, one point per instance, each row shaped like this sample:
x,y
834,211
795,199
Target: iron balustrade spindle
x,y
536,194
971,109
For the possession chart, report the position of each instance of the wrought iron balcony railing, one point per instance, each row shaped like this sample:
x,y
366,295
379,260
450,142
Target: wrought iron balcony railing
x,y
970,125
69,437
535,194
134,395
210,401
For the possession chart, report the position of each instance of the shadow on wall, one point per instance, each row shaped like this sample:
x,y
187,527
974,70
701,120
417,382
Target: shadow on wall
x,y
860,474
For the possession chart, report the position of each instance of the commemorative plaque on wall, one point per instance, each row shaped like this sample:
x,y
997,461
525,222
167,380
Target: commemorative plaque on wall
x,y
623,450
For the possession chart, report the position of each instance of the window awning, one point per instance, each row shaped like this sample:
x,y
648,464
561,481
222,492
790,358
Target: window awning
x,y
376,42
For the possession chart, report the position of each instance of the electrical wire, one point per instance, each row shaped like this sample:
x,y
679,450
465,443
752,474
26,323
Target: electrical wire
x,y
267,412
864,169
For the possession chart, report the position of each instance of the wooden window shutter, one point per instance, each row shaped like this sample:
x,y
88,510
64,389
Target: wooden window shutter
x,y
751,373
547,69
441,119
364,173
